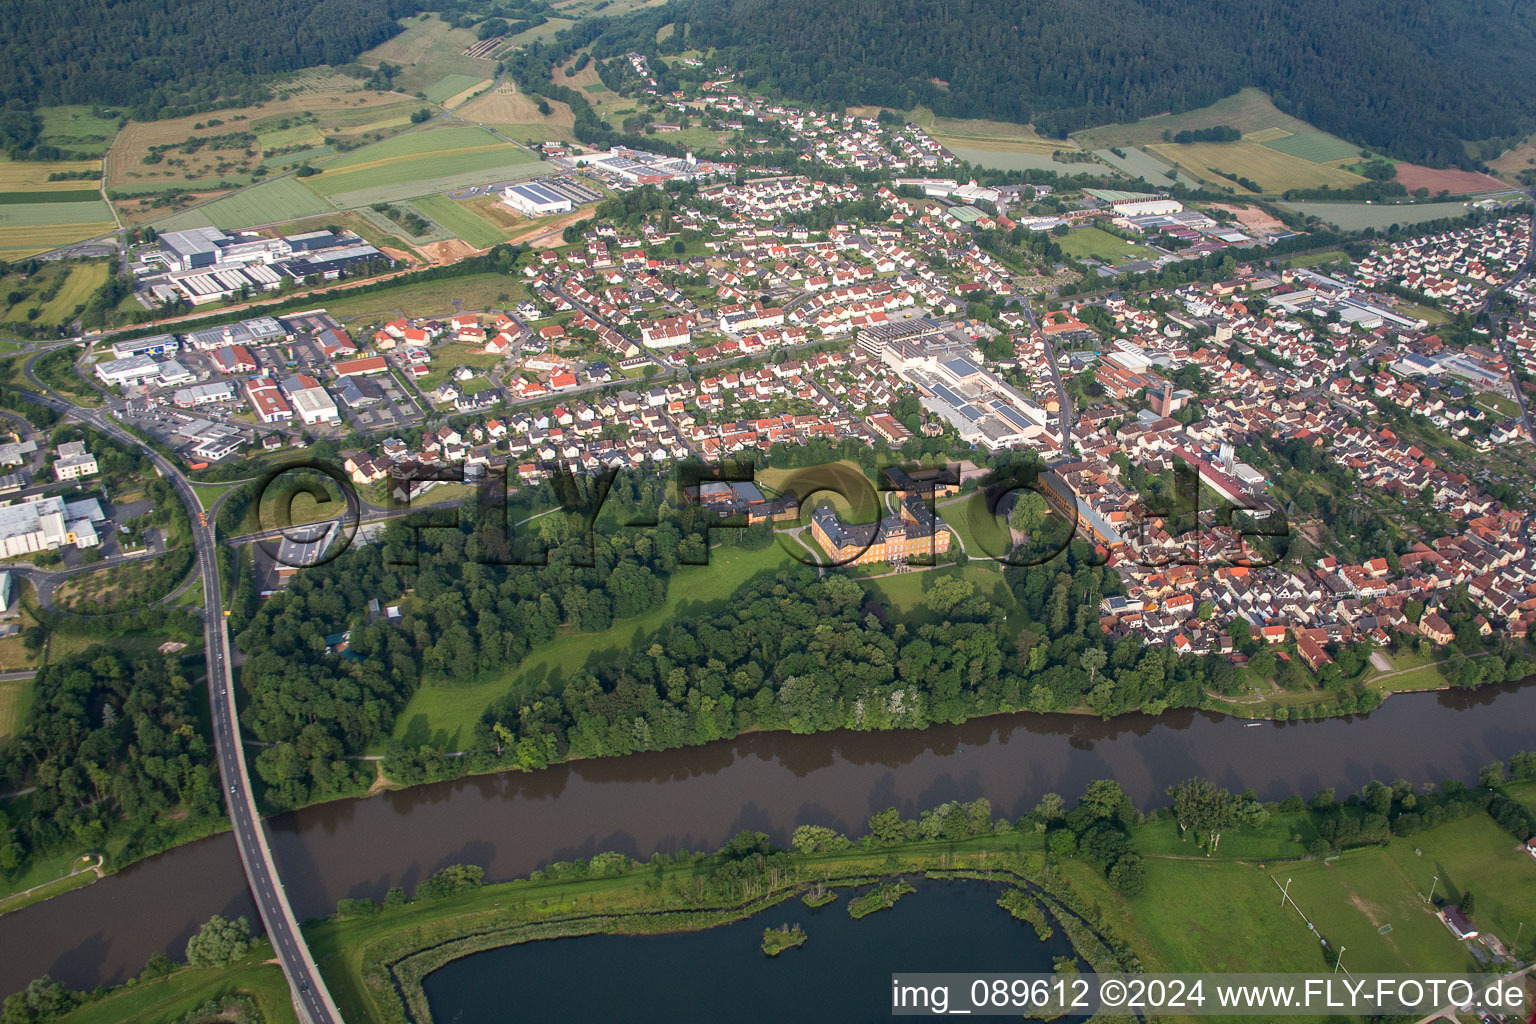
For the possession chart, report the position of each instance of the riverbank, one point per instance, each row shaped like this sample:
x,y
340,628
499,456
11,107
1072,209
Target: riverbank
x,y
191,832
515,822
1196,913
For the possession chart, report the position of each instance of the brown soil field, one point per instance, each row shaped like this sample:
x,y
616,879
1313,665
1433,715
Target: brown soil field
x,y
1252,217
1455,182
450,251
138,209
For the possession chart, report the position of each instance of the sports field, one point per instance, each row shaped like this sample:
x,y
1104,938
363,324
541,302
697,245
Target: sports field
x,y
460,220
420,164
1101,245
1273,170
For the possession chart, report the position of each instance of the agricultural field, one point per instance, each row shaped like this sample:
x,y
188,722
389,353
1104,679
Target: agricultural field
x,y
1003,158
30,228
1248,110
428,52
1449,180
37,214
1273,170
1318,147
1138,163
1359,216
78,129
1517,159
449,86
271,202
1101,245
313,105
70,284
461,221
517,116
32,175
419,164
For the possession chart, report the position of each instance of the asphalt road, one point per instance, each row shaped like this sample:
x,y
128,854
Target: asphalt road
x,y
310,994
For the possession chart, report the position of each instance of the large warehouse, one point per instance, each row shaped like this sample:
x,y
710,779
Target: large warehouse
x,y
534,200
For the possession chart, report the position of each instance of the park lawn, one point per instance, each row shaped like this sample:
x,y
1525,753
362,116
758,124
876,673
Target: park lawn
x,y
171,997
430,298
460,220
1273,170
983,534
444,716
15,699
848,486
1101,245
905,593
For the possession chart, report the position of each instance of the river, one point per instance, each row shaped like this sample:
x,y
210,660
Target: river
x,y
697,797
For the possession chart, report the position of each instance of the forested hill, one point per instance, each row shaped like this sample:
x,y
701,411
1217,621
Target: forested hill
x,y
176,56
1409,76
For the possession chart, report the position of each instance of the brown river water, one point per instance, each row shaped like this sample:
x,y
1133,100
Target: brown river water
x,y
697,797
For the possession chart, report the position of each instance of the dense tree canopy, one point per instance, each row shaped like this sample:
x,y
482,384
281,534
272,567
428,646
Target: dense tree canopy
x,y
177,56
1406,75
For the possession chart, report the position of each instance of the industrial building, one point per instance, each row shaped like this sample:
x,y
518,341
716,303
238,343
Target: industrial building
x,y
531,199
45,524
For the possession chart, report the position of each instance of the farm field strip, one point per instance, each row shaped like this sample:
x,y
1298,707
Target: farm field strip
x,y
451,85
281,199
40,214
1273,170
28,239
32,175
491,167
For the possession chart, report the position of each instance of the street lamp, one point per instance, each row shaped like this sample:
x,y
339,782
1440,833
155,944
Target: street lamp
x,y
1340,960
1432,889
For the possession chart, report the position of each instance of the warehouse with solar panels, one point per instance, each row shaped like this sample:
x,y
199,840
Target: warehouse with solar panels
x,y
532,199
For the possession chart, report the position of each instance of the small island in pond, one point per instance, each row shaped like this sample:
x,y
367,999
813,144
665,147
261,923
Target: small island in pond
x,y
879,898
777,940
